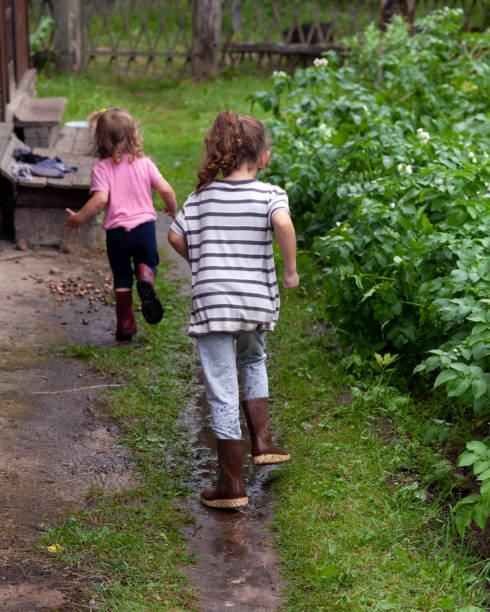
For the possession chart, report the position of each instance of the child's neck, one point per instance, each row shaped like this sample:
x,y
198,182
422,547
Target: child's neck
x,y
242,174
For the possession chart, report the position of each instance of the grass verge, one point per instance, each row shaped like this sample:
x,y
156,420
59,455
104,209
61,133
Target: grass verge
x,y
357,524
131,543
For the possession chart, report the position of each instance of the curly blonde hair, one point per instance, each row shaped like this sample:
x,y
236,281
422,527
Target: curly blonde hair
x,y
115,135
232,141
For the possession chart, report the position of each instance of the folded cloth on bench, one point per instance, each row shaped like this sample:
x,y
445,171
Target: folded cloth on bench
x,y
53,168
24,154
22,172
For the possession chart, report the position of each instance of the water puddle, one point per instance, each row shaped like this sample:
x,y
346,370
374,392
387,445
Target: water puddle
x,y
236,565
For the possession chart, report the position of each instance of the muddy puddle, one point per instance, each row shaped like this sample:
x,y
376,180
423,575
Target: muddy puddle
x,y
236,565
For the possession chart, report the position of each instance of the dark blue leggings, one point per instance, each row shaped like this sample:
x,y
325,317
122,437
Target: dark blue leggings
x,y
128,249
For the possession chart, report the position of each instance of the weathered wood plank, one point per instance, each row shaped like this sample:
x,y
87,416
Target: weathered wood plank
x,y
8,160
83,141
6,130
66,140
282,49
83,178
43,111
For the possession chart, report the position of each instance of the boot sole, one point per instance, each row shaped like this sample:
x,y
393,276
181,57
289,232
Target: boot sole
x,y
225,503
125,336
266,459
151,306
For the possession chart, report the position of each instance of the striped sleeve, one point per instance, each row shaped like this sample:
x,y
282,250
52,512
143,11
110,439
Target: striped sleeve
x,y
278,201
179,225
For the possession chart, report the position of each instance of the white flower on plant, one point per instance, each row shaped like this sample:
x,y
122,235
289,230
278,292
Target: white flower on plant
x,y
408,169
424,136
365,109
392,205
338,224
399,167
279,74
320,61
299,120
472,157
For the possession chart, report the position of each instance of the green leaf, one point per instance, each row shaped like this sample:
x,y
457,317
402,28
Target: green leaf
x,y
444,377
388,161
467,459
478,447
459,388
484,476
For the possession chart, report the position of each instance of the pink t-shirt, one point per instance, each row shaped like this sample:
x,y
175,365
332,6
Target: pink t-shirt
x,y
128,185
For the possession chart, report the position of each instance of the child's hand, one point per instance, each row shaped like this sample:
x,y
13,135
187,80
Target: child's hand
x,y
171,212
291,279
72,222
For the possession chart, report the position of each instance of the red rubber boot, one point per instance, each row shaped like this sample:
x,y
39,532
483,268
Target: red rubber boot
x,y
126,325
151,306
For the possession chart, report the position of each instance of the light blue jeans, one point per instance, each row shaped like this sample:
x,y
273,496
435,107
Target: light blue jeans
x,y
228,359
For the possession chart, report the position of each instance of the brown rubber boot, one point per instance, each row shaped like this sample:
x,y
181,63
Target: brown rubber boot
x,y
229,491
126,325
263,449
151,306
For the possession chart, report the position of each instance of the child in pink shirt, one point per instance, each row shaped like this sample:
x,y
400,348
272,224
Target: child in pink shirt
x,y
121,184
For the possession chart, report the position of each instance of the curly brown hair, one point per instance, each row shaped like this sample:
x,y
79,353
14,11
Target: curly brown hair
x,y
115,135
232,141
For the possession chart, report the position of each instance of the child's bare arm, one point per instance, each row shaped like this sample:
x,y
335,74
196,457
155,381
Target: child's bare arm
x,y
286,239
179,244
168,196
93,206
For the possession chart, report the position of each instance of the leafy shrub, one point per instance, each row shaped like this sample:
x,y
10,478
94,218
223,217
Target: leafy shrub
x,y
389,184
391,188
475,507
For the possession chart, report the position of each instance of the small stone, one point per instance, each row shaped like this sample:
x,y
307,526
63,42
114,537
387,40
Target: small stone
x,y
22,245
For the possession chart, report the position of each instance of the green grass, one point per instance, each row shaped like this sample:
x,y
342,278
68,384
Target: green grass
x,y
357,526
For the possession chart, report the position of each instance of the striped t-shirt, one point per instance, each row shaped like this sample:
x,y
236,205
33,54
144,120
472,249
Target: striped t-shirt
x,y
228,230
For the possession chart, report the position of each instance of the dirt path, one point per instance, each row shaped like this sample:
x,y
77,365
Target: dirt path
x,y
56,443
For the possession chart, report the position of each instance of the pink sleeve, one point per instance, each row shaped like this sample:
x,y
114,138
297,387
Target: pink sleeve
x,y
99,179
154,173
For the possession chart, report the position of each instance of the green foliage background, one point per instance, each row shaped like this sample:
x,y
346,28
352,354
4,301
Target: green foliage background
x,y
385,156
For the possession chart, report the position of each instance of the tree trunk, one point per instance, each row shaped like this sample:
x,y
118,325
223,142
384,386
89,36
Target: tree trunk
x,y
68,38
207,21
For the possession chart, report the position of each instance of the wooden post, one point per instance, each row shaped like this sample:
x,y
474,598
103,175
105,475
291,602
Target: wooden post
x,y
236,19
207,22
68,38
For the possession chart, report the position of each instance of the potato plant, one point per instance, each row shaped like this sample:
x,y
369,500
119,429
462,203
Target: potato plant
x,y
385,156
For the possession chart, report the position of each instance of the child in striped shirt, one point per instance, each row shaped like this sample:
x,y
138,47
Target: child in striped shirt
x,y
224,230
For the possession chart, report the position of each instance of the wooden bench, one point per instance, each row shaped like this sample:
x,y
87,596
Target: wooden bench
x,y
39,203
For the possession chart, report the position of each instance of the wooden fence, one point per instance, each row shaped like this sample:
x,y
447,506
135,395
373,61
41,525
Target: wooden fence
x,y
183,37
